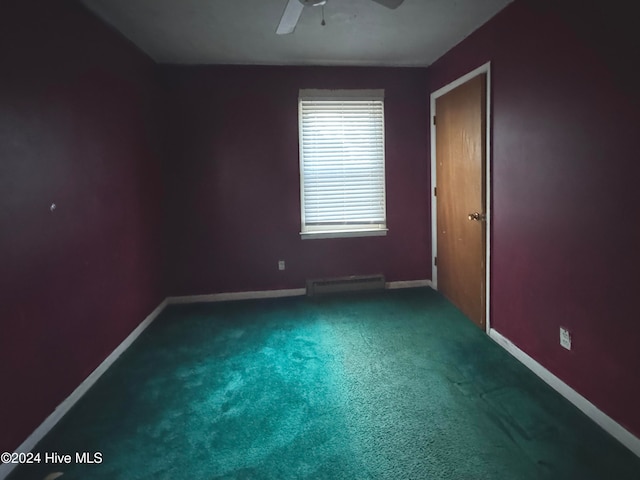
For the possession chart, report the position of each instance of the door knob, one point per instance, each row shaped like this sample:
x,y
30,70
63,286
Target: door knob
x,y
477,216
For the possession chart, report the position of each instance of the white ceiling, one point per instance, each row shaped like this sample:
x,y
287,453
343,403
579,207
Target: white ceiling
x,y
357,32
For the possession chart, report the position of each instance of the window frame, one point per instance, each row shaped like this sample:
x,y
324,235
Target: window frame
x,y
335,231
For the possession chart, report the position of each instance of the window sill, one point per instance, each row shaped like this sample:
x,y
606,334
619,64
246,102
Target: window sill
x,y
378,232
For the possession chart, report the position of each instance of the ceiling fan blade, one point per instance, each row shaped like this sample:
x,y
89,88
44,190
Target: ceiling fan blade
x,y
290,17
389,3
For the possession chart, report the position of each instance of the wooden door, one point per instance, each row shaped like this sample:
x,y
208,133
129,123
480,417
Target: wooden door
x,y
460,197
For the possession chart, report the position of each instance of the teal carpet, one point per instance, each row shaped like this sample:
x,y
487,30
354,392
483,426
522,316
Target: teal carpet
x,y
397,385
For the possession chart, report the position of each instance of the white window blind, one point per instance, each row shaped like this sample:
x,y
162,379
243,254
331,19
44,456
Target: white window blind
x,y
342,163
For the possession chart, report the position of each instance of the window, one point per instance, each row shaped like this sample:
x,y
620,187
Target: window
x,y
342,181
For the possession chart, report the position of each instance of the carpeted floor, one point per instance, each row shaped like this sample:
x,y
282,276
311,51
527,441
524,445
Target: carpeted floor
x,y
397,385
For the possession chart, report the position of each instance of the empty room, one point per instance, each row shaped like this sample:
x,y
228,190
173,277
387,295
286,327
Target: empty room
x,y
304,239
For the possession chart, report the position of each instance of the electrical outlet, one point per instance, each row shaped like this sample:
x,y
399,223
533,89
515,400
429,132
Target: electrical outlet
x,y
280,264
565,338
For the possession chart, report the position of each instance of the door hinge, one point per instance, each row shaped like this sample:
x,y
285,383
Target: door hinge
x,y
435,191
434,119
435,261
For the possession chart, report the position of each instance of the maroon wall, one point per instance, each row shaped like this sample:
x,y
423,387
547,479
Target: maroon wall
x,y
75,130
233,194
565,231
78,127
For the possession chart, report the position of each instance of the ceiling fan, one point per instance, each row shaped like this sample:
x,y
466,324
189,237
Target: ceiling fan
x,y
294,9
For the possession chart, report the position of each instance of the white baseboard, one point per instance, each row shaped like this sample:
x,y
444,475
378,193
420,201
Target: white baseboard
x,y
62,409
291,292
616,430
408,284
223,297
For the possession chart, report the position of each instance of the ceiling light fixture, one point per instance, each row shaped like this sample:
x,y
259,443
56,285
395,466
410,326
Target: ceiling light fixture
x,y
294,8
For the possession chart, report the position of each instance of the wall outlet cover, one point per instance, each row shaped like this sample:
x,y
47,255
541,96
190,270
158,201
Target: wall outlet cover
x,y
565,338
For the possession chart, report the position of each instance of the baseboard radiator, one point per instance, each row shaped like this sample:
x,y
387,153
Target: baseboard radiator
x,y
355,283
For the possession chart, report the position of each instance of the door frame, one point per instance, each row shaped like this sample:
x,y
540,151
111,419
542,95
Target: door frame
x,y
486,69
